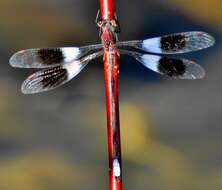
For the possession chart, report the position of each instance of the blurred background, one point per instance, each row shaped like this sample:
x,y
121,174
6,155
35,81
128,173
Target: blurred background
x,y
171,129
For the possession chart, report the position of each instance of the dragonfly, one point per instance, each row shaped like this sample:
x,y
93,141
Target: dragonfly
x,y
60,65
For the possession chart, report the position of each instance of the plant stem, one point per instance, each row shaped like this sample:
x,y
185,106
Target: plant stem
x,y
111,74
106,9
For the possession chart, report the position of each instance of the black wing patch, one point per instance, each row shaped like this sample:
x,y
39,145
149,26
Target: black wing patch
x,y
172,67
50,56
173,43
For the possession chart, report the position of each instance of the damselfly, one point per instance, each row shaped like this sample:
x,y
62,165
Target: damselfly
x,y
60,65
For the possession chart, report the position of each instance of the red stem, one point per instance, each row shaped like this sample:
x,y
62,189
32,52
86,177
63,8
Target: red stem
x,y
111,73
106,9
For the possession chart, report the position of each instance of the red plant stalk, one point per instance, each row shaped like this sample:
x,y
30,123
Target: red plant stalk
x,y
106,9
111,72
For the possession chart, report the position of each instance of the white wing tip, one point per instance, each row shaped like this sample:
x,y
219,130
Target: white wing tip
x,y
16,59
24,87
12,60
207,37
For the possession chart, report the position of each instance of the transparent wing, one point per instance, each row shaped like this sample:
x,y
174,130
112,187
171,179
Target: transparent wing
x,y
54,77
175,68
49,57
173,43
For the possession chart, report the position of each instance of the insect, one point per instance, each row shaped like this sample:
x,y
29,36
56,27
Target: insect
x,y
60,65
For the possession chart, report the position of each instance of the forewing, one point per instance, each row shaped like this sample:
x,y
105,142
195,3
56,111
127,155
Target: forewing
x,y
174,68
49,57
173,43
44,57
54,77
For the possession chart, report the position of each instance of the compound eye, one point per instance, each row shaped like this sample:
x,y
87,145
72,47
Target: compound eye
x,y
114,23
100,23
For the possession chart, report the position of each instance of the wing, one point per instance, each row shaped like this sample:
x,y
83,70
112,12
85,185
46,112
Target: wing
x,y
173,43
54,77
49,57
174,68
